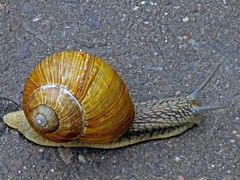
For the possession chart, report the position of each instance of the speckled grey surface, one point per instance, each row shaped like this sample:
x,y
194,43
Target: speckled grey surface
x,y
161,49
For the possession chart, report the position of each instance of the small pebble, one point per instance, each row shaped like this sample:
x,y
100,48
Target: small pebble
x,y
65,154
237,120
117,177
135,8
37,18
186,19
81,159
185,37
177,158
177,93
2,6
143,2
40,150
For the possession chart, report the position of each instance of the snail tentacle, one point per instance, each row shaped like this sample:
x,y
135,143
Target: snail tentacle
x,y
196,93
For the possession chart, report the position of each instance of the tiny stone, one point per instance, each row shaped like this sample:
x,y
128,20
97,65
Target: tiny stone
x,y
135,8
2,6
186,19
52,170
81,159
37,18
117,177
234,132
65,154
237,120
185,37
40,150
177,93
177,158
143,2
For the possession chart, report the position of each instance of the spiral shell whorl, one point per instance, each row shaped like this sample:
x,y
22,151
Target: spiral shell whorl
x,y
55,113
45,118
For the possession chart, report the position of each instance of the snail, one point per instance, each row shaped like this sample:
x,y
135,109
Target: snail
x,y
74,99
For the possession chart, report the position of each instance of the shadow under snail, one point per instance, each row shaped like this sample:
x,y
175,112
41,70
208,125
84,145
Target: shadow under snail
x,y
74,99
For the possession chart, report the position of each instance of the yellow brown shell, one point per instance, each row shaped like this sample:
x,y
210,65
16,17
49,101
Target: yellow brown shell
x,y
73,95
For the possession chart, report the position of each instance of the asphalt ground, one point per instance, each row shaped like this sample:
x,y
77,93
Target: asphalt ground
x,y
161,49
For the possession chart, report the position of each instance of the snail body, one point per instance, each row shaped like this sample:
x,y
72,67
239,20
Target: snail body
x,y
74,99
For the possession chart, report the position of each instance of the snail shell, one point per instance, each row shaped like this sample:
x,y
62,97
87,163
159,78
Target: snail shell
x,y
74,95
